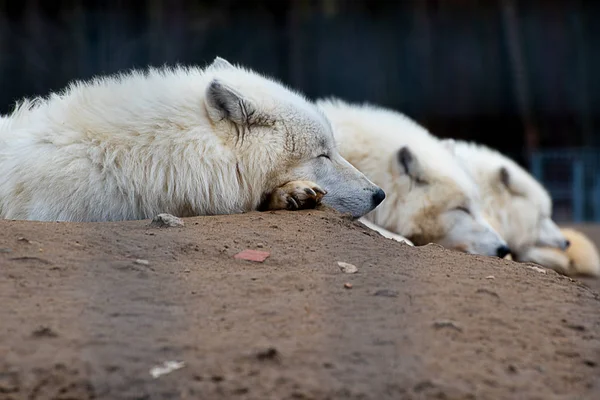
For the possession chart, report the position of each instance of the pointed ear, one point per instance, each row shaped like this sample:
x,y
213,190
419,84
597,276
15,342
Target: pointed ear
x,y
508,183
409,164
220,63
504,177
223,103
450,145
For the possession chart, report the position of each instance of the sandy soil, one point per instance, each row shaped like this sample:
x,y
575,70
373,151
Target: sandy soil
x,y
81,319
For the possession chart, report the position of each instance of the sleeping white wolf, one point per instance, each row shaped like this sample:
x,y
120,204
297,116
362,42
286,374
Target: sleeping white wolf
x,y
184,141
520,209
429,196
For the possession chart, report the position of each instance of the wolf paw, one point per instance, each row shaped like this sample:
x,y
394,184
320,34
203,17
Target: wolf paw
x,y
296,195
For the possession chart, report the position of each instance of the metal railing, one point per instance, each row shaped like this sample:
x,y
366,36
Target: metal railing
x,y
572,176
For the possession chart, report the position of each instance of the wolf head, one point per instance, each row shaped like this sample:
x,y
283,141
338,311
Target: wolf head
x,y
280,133
519,204
442,208
429,197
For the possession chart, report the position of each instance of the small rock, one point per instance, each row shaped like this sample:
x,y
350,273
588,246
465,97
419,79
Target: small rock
x,y
142,262
435,245
166,368
252,255
269,354
187,270
537,269
347,268
512,369
348,285
166,221
23,239
44,332
590,363
490,277
260,245
447,324
576,327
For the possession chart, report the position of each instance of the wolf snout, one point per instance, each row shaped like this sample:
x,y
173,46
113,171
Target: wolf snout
x,y
502,251
378,197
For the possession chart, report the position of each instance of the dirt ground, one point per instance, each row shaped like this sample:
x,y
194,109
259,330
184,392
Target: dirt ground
x,y
81,319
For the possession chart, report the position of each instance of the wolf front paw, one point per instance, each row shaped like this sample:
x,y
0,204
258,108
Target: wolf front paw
x,y
295,195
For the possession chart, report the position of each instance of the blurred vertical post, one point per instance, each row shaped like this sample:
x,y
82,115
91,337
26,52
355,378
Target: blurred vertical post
x,y
154,26
36,65
4,41
79,65
424,27
296,62
583,100
519,70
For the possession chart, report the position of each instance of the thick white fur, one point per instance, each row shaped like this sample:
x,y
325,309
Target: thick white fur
x,y
515,203
184,141
431,200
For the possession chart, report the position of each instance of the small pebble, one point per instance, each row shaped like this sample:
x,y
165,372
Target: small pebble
x,y
348,285
447,324
260,245
142,262
252,255
166,221
537,269
490,277
347,268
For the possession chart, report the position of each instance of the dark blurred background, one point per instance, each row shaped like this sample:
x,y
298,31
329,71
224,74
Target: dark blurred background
x,y
515,75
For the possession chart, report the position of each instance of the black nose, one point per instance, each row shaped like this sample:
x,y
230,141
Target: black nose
x,y
502,251
567,244
378,197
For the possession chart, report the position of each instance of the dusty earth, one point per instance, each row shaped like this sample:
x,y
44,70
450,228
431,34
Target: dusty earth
x,y
81,319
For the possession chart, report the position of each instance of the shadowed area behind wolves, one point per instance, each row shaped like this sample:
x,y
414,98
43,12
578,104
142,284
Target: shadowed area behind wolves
x,y
88,310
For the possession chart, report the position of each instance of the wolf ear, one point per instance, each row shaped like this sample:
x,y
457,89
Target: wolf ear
x,y
504,177
509,183
409,164
220,63
223,103
450,145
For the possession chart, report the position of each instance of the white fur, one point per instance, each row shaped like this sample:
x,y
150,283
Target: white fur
x,y
423,200
184,141
515,203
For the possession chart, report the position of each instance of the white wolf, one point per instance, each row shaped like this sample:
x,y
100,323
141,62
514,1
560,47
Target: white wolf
x,y
429,197
515,203
184,141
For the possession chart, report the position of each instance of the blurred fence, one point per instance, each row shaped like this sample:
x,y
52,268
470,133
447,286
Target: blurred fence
x,y
507,73
572,176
